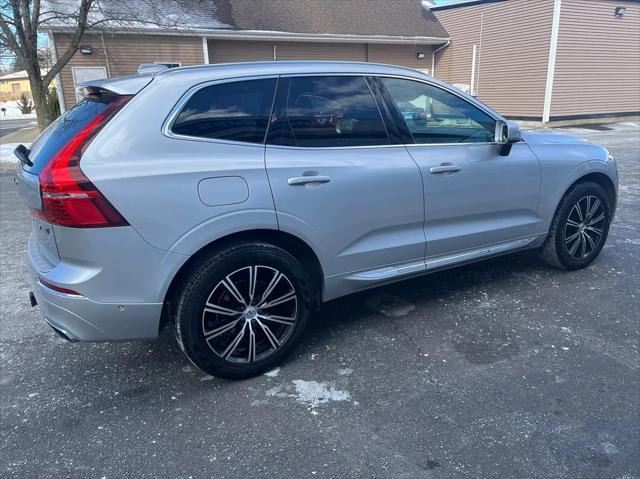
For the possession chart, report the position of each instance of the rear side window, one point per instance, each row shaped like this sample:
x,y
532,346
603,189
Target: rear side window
x,y
236,111
64,129
328,111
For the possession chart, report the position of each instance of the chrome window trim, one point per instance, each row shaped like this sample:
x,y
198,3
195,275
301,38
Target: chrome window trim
x,y
383,75
168,123
175,111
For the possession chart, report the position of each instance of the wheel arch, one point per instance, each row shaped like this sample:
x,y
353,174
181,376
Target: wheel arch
x,y
601,179
295,246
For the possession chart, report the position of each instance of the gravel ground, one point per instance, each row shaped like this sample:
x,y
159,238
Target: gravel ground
x,y
505,369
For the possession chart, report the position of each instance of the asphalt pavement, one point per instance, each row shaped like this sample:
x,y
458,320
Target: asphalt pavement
x,y
8,126
502,369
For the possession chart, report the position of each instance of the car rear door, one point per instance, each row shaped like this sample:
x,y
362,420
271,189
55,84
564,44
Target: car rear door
x,y
475,198
340,185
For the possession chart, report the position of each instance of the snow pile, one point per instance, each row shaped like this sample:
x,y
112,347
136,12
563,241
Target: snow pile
x,y
13,112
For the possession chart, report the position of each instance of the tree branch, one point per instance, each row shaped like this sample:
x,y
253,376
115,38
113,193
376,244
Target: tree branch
x,y
35,15
85,7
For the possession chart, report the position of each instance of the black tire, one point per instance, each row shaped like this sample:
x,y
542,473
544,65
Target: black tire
x,y
563,247
204,286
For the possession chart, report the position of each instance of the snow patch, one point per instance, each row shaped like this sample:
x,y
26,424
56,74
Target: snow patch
x,y
13,112
313,393
273,373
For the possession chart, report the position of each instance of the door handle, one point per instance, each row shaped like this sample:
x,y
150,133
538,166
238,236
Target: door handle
x,y
444,168
305,180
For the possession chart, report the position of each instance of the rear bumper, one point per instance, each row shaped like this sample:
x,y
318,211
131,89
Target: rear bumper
x,y
121,282
80,319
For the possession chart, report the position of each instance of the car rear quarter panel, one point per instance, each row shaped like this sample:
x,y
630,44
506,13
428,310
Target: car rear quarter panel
x,y
153,180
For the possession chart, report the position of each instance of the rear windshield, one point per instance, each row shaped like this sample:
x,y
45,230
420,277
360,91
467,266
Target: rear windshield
x,y
62,130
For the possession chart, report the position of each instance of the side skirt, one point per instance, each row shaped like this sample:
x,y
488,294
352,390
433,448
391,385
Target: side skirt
x,y
342,285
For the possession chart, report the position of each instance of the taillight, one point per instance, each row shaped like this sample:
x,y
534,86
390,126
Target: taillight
x,y
68,197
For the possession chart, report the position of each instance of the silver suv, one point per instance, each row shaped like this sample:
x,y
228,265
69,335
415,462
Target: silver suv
x,y
230,201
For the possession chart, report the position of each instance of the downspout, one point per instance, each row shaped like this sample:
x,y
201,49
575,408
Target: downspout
x,y
551,69
479,55
433,57
473,70
106,55
52,45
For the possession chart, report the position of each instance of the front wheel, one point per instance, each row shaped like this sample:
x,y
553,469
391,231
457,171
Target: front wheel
x,y
579,228
242,310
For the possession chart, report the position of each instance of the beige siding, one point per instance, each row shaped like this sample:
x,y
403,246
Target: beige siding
x,y
124,53
321,51
221,51
598,59
226,51
403,55
512,58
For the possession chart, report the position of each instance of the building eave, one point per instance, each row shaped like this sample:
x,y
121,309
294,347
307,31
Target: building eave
x,y
462,4
269,35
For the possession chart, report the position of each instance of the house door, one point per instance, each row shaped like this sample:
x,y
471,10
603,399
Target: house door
x,y
83,74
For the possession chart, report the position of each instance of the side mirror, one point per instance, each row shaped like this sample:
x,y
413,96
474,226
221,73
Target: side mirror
x,y
507,133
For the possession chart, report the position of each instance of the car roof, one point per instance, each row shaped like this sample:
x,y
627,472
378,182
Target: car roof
x,y
198,74
232,70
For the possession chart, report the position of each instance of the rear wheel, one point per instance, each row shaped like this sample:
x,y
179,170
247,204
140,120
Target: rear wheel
x,y
242,310
579,228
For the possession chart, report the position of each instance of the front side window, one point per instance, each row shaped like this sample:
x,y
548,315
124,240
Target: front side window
x,y
326,111
236,111
434,115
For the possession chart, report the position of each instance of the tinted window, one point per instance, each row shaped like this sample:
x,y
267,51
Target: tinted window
x,y
237,111
333,111
61,131
434,115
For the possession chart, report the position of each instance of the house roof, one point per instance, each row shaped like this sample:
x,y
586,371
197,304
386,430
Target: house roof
x,y
405,18
20,75
401,19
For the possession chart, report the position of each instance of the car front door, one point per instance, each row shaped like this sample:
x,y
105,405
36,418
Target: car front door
x,y
476,201
340,185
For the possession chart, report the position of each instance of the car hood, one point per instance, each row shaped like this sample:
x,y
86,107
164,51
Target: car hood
x,y
548,137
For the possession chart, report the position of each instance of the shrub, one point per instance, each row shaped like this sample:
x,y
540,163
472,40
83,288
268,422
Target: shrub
x,y
53,103
25,105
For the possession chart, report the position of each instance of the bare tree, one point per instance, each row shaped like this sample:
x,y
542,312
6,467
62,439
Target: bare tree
x,y
22,20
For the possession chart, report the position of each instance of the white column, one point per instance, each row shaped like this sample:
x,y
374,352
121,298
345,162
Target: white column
x,y
205,50
551,69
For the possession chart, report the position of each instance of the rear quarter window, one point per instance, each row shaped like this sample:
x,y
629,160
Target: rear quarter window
x,y
234,111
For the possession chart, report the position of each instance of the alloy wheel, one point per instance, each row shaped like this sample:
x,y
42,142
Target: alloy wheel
x,y
584,228
250,314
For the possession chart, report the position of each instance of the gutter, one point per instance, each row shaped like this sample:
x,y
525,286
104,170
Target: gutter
x,y
270,35
433,57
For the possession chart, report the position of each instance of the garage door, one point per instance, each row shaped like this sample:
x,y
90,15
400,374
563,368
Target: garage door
x,y
248,51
